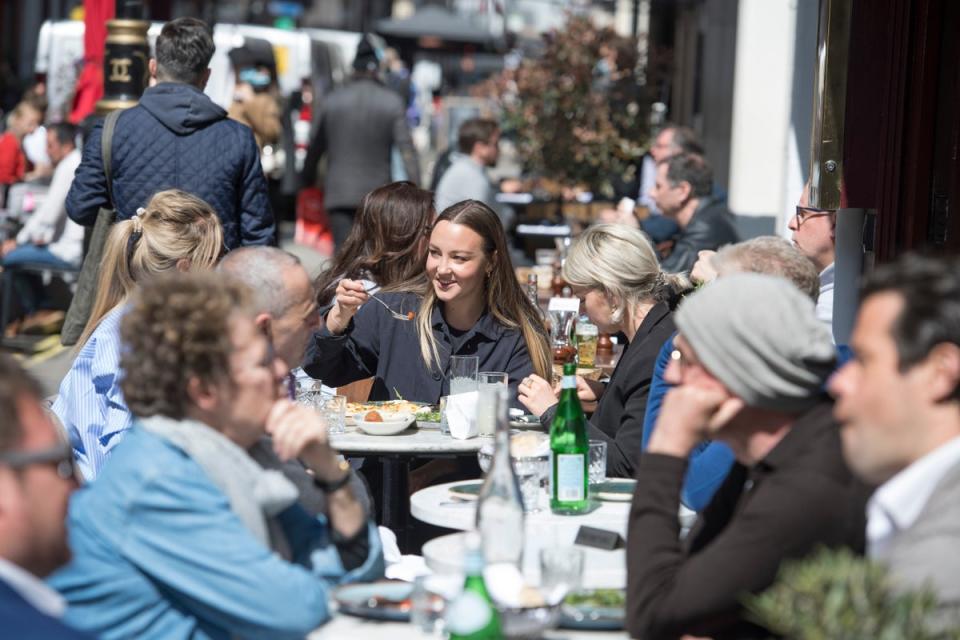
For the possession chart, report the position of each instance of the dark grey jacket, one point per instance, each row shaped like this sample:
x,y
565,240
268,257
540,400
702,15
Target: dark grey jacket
x,y
711,227
379,345
359,124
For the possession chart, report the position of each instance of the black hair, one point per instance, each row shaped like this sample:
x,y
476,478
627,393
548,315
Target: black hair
x,y
473,131
930,289
184,49
64,132
693,169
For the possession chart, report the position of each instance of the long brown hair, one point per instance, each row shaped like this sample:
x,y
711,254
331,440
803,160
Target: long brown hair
x,y
173,226
505,299
385,241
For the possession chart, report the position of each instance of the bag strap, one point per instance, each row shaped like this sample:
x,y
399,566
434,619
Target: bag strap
x,y
106,150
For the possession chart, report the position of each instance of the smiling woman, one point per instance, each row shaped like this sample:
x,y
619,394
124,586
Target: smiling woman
x,y
467,301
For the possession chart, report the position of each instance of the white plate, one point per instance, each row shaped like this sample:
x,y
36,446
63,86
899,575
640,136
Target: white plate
x,y
391,426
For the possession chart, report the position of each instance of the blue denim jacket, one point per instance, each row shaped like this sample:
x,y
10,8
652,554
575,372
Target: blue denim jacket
x,y
159,554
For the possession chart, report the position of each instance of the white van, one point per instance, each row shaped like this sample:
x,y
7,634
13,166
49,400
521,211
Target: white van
x,y
60,56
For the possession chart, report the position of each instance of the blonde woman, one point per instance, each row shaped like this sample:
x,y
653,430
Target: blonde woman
x,y
614,270
174,232
468,302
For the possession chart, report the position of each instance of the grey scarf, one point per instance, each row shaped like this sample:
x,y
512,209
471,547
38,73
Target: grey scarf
x,y
255,494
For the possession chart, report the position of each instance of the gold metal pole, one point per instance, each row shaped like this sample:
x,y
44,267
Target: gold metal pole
x,y
127,52
829,103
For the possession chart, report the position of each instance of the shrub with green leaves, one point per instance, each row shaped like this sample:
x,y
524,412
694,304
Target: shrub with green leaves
x,y
836,595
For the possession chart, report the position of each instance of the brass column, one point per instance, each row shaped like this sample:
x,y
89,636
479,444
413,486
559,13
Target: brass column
x,y
125,69
829,103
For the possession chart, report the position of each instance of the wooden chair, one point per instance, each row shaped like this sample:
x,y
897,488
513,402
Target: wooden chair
x,y
358,391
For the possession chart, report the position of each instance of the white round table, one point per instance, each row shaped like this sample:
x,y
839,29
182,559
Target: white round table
x,y
416,440
435,505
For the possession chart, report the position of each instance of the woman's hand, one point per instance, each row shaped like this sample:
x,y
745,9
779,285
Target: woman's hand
x,y
350,295
536,394
589,390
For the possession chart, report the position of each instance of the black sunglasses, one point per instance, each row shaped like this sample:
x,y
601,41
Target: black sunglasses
x,y
61,456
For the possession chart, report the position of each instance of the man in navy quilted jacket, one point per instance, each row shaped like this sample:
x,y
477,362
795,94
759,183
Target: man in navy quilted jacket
x,y
176,137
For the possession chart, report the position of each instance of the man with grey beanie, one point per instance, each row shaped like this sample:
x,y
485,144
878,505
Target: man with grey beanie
x,y
749,367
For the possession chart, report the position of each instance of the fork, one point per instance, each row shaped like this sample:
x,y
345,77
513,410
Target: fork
x,y
395,314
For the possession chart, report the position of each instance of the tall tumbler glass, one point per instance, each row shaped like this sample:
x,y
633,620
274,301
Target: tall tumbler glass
x,y
486,416
463,374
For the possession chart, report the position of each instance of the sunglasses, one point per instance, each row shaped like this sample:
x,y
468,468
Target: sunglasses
x,y
809,213
60,456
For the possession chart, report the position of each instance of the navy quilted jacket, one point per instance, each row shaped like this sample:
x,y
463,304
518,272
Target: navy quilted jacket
x,y
178,138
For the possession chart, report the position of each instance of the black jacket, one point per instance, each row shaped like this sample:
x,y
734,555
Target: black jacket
x,y
177,138
379,345
711,227
800,496
618,419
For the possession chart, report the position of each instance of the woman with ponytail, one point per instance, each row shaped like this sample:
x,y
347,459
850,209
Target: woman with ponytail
x,y
614,270
466,301
175,231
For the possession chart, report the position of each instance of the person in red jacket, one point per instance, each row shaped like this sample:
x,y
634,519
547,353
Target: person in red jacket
x,y
24,119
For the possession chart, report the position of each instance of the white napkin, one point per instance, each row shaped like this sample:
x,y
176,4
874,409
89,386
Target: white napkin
x,y
462,415
400,567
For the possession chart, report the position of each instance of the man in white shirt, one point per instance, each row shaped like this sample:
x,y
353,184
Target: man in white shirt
x,y
48,237
814,234
37,477
899,403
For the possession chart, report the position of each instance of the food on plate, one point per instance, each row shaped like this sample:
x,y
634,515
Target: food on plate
x,y
373,416
601,598
527,445
385,408
531,597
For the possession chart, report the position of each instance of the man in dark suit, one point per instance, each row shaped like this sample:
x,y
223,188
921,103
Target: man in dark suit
x,y
682,191
749,366
37,477
898,401
359,125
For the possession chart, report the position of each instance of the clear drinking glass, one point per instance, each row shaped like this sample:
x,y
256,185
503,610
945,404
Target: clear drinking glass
x,y
335,411
487,380
561,571
598,461
463,374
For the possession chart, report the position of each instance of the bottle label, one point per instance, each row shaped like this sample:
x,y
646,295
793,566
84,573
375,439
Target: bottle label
x,y
569,382
570,477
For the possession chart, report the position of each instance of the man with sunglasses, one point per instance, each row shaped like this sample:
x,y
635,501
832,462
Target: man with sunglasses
x,y
37,477
814,234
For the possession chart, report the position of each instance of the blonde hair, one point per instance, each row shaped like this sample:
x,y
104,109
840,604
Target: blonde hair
x,y
620,262
173,226
504,297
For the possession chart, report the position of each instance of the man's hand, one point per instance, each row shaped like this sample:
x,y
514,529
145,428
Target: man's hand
x,y
8,245
689,416
703,271
300,432
536,394
350,296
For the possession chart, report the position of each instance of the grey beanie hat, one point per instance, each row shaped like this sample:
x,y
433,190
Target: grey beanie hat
x,y
759,336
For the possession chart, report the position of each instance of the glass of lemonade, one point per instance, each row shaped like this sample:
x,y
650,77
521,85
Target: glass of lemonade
x,y
463,374
486,418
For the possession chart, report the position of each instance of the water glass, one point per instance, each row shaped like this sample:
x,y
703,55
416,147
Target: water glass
x,y
598,461
444,425
561,571
531,473
335,411
426,608
463,374
486,406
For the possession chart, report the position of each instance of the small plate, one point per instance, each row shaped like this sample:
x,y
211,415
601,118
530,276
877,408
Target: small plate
x,y
526,421
613,490
390,426
382,600
466,490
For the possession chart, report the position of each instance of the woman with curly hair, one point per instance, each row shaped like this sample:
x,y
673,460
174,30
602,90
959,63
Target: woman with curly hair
x,y
466,301
184,535
174,232
388,242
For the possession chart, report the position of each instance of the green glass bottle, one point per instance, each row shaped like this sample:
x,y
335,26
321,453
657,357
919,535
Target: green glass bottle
x,y
569,448
472,616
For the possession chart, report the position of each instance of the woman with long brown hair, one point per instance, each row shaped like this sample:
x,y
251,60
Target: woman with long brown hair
x,y
387,244
466,301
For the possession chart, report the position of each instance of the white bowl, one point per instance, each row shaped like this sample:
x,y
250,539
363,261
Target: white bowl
x,y
391,425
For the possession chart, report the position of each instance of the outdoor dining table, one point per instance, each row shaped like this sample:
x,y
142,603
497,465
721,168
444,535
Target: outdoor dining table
x,y
394,454
344,626
603,568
